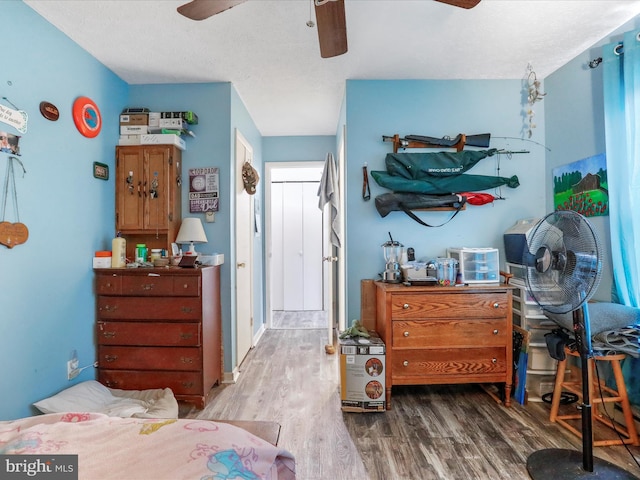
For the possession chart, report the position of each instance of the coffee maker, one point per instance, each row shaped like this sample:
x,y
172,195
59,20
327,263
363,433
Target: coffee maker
x,y
392,250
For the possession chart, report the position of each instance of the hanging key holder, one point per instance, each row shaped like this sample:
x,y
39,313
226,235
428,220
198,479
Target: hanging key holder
x,y
12,234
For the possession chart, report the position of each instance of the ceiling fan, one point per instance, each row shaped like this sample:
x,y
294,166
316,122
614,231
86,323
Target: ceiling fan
x,y
330,18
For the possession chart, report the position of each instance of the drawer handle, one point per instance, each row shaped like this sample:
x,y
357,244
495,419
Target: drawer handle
x,y
186,309
188,360
405,363
406,334
109,334
496,305
148,286
110,308
187,384
185,286
108,285
495,332
110,358
405,306
186,336
494,360
111,383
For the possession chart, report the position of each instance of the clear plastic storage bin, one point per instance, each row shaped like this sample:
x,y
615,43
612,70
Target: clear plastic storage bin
x,y
477,265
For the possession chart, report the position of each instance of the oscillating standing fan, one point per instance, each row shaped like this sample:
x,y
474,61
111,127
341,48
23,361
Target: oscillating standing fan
x,y
563,268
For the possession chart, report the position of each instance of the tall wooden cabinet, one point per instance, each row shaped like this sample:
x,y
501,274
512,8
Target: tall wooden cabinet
x,y
159,328
441,335
148,195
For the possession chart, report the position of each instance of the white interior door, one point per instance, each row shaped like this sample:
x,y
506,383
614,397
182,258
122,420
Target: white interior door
x,y
293,237
244,229
300,246
312,247
293,247
275,234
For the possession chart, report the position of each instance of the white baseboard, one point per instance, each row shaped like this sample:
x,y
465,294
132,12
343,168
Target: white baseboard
x,y
232,377
258,335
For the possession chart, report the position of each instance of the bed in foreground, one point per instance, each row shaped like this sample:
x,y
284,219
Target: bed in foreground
x,y
138,448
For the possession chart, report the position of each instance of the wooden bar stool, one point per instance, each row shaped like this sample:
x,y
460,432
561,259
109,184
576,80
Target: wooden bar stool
x,y
628,434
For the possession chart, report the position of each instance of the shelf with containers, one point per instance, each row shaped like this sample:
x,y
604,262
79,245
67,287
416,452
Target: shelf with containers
x,y
527,314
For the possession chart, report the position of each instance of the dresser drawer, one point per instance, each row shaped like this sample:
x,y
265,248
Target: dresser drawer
x,y
464,362
449,305
109,284
148,333
149,285
157,285
149,308
150,358
180,383
450,333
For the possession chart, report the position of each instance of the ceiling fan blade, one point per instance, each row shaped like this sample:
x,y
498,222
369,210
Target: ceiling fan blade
x,y
201,9
461,3
332,28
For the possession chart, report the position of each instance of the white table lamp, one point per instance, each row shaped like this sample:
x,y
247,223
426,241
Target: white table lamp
x,y
191,232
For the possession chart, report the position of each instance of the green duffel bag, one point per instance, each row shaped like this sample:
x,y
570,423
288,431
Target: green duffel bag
x,y
442,185
434,164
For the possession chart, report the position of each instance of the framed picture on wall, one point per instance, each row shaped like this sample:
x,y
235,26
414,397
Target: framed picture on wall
x,y
101,171
204,191
582,186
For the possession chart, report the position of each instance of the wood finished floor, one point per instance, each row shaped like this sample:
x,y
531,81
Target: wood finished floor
x,y
432,432
297,320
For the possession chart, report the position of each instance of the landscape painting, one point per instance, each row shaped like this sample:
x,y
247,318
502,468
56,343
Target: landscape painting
x,y
582,186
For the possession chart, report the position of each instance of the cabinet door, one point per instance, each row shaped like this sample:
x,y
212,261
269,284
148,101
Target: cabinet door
x,y
130,178
147,190
157,190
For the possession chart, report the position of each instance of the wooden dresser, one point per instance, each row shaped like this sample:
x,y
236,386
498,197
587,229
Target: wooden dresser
x,y
441,335
159,328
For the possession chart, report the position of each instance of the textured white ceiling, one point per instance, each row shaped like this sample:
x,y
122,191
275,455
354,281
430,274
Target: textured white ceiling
x,y
272,58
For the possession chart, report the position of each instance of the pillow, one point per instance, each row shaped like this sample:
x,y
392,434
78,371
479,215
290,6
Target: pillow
x,y
92,396
603,317
159,402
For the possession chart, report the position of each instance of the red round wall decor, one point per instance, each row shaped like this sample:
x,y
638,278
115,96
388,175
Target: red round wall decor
x,y
86,116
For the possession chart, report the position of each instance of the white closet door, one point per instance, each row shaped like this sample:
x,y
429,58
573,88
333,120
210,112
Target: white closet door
x,y
277,258
312,247
293,247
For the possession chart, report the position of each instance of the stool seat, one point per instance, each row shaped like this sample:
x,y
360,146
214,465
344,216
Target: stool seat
x,y
599,394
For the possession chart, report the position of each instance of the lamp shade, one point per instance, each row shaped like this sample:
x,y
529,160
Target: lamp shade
x,y
191,231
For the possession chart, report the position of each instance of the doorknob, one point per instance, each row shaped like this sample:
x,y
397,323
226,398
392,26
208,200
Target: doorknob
x,y
329,259
240,265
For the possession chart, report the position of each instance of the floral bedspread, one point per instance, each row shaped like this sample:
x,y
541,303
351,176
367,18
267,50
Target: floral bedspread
x,y
136,448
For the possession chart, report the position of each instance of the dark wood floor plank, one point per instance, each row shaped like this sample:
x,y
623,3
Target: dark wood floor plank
x,y
439,432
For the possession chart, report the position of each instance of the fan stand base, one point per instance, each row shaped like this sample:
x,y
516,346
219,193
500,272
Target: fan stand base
x,y
561,464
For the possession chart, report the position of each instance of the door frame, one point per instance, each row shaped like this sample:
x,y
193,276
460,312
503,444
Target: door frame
x,y
269,167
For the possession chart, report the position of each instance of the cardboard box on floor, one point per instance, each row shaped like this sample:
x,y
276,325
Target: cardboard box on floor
x,y
362,374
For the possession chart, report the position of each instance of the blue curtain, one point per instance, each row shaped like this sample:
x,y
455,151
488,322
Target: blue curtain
x,y
621,79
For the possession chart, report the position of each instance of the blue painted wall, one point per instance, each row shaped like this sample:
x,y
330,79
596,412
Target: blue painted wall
x,y
298,149
435,108
47,307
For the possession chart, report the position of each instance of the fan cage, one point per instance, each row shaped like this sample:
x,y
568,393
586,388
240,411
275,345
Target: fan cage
x,y
563,262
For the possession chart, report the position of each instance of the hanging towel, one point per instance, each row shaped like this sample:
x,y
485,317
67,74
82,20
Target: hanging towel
x,y
328,193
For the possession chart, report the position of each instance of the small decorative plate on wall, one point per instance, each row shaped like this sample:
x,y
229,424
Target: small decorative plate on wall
x,y
86,116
